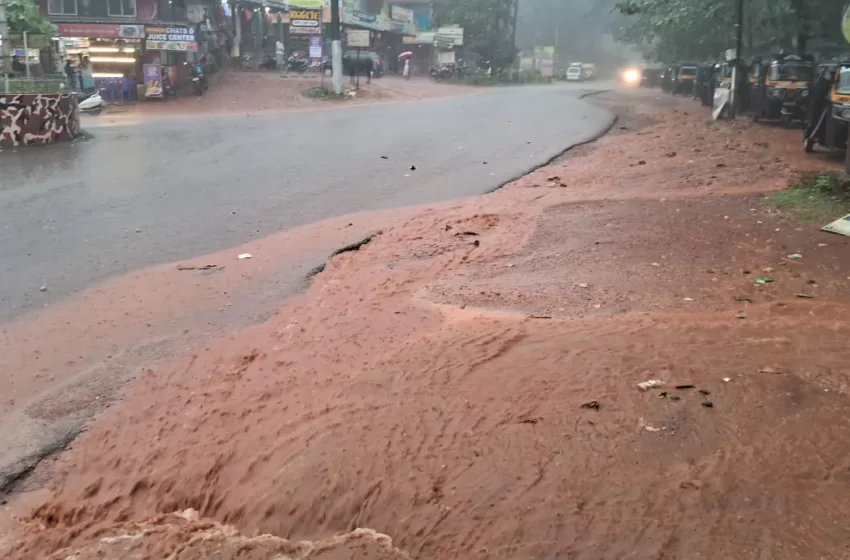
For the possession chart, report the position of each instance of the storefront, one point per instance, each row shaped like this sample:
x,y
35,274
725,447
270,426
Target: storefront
x,y
114,52
167,47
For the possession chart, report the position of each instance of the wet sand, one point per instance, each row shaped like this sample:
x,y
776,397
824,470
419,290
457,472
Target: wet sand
x,y
466,383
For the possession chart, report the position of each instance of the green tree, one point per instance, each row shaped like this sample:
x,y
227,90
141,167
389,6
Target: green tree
x,y
682,29
23,16
487,24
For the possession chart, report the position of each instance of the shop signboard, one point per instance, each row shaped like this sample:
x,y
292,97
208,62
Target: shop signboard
x,y
315,47
545,57
101,30
305,22
358,38
308,4
453,34
421,38
170,39
402,20
153,80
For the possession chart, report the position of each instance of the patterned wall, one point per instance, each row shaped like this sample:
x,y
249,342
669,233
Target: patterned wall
x,y
37,119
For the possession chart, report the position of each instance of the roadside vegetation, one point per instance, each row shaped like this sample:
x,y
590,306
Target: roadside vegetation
x,y
820,197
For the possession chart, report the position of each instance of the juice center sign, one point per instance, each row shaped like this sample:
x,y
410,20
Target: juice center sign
x,y
170,39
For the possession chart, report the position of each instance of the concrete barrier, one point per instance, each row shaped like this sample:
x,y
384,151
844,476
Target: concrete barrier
x,y
38,118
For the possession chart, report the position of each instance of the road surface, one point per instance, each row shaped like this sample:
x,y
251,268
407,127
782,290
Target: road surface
x,y
146,193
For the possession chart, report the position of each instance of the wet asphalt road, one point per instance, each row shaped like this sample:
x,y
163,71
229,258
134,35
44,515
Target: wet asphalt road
x,y
147,193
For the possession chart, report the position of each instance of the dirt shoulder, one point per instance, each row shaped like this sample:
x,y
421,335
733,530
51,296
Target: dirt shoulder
x,y
236,92
466,383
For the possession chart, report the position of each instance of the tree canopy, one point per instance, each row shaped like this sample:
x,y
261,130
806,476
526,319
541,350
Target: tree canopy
x,y
23,17
697,29
488,26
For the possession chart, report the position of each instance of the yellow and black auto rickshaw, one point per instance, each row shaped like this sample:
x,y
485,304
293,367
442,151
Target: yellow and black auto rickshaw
x,y
829,114
685,78
782,90
722,75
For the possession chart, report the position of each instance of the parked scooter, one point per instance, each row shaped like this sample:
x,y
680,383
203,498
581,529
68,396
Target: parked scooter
x,y
168,89
199,78
295,64
91,103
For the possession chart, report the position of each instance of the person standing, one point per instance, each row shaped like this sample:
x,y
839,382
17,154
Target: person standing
x,y
280,55
86,77
406,71
71,73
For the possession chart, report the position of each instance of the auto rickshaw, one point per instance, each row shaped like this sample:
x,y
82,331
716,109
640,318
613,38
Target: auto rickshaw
x,y
783,90
685,78
722,75
651,76
668,80
829,114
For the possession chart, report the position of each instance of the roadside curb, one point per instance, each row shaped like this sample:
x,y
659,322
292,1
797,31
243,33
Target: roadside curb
x,y
603,130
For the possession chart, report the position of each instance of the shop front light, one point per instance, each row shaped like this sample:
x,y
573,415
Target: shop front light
x,y
113,59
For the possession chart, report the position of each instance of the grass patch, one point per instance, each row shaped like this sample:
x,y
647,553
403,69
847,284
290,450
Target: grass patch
x,y
319,93
820,197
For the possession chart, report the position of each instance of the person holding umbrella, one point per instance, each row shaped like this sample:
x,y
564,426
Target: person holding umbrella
x,y
406,57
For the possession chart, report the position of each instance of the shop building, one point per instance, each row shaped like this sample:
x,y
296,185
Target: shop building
x,y
119,37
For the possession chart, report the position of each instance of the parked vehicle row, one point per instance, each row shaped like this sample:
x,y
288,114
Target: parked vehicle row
x,y
790,90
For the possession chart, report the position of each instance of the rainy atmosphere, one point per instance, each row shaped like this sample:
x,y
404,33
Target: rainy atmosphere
x,y
424,279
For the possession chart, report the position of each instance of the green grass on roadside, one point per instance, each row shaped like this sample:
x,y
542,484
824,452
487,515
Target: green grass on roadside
x,y
820,197
319,93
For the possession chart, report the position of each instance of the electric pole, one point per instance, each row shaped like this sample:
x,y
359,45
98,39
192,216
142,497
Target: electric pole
x,y
4,37
736,70
336,48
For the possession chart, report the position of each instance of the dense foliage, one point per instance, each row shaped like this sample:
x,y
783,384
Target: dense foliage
x,y
488,27
22,16
697,29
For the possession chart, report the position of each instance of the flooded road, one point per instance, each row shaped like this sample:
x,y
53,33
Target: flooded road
x,y
155,192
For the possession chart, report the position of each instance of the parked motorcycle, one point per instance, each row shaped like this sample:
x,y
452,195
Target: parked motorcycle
x,y
295,64
199,79
90,103
168,89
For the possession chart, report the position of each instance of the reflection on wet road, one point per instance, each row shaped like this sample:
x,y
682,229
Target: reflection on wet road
x,y
143,194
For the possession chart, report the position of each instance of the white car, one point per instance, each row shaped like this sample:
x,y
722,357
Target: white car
x,y
574,74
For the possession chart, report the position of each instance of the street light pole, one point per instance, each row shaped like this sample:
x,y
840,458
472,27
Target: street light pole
x,y
336,48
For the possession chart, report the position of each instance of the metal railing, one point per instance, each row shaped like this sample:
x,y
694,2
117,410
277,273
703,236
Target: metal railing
x,y
54,83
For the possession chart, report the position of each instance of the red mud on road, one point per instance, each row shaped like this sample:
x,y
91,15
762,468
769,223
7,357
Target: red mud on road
x,y
466,384
235,92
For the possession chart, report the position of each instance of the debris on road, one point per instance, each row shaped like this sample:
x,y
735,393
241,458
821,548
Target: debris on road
x,y
384,157
685,387
647,385
805,296
761,280
204,267
582,285
740,315
795,256
539,316
245,256
708,404
594,405
413,168
727,379
532,421
769,370
742,299
42,289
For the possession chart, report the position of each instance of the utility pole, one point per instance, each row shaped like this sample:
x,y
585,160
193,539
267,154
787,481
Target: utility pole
x,y
4,38
739,45
513,33
336,48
